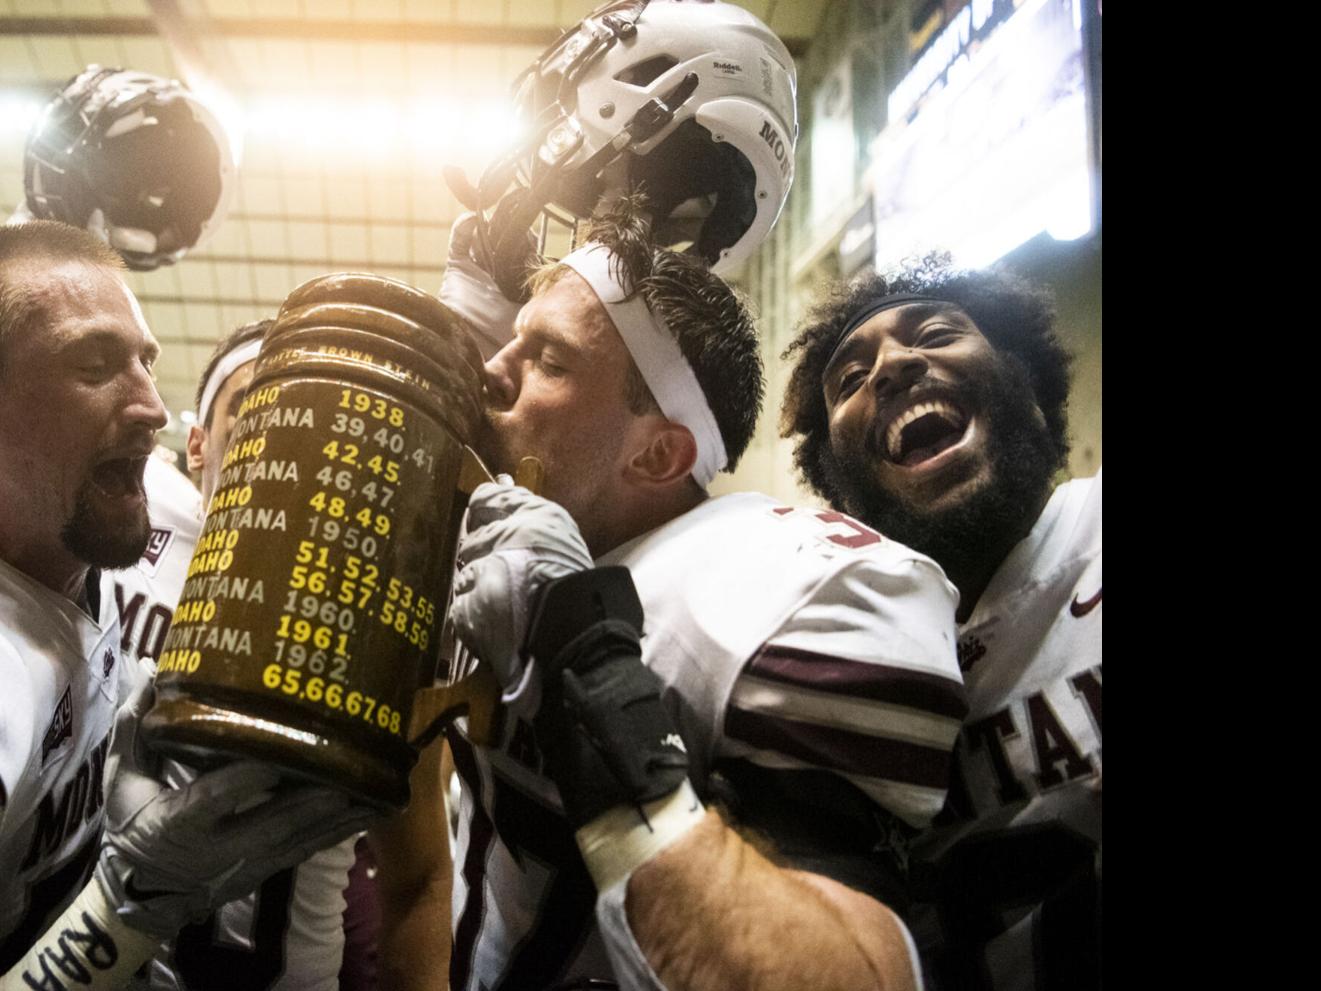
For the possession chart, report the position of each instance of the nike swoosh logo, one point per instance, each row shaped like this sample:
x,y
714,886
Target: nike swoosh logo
x,y
1081,609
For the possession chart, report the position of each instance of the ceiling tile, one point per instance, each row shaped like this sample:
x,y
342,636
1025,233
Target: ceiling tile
x,y
331,66
389,244
426,10
16,59
387,198
230,8
346,196
236,315
333,10
304,195
201,320
82,8
430,245
348,243
286,67
378,10
279,8
308,240
123,8
477,12
274,281
230,238
56,58
260,193
431,68
304,273
147,55
573,11
102,51
233,279
533,12
267,238
196,279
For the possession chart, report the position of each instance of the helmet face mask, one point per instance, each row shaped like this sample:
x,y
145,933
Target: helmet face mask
x,y
134,158
692,103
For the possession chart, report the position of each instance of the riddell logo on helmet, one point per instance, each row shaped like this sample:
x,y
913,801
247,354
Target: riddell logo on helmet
x,y
728,68
776,143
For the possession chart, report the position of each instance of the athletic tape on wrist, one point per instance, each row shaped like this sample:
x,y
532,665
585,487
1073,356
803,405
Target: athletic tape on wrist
x,y
88,940
616,842
225,367
656,353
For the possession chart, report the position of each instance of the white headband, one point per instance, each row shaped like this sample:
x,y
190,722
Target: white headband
x,y
656,353
225,367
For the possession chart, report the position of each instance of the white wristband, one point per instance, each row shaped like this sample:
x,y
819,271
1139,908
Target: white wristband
x,y
88,946
619,840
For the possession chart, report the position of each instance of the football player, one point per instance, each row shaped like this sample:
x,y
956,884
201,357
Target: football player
x,y
931,404
797,669
78,414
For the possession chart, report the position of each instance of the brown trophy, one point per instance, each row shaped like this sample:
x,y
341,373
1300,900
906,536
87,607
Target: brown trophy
x,y
309,626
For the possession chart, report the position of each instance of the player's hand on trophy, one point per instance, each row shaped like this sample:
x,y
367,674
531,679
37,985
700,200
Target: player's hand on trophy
x,y
469,290
515,543
172,855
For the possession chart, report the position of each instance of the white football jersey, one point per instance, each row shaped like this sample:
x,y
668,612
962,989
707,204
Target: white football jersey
x,y
792,638
1025,803
60,671
146,593
290,934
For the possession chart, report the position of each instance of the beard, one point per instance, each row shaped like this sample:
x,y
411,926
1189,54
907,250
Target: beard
x,y
1022,462
101,539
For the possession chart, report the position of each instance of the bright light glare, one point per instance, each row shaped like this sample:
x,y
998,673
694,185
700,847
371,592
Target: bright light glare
x,y
996,156
227,111
372,128
18,114
350,130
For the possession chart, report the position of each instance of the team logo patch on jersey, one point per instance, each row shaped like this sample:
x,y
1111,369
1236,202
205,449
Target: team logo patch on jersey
x,y
157,544
107,662
60,730
971,650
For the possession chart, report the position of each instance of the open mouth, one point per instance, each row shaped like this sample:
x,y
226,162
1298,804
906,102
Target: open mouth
x,y
923,431
119,477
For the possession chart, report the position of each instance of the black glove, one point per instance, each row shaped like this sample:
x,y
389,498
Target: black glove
x,y
606,735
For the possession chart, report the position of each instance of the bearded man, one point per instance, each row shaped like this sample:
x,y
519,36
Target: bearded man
x,y
931,404
78,416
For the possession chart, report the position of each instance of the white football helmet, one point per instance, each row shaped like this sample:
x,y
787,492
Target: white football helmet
x,y
692,100
134,158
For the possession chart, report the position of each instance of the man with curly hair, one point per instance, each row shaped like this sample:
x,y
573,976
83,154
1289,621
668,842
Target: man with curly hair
x,y
931,404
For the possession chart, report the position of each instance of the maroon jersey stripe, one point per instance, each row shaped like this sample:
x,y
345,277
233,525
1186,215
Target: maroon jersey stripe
x,y
841,750
861,679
